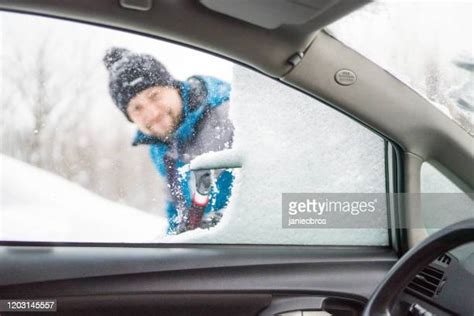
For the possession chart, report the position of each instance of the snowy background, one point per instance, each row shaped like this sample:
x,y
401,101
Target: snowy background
x,y
38,205
70,174
57,113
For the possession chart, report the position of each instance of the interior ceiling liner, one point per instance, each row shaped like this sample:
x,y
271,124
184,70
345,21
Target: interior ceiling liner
x,y
270,14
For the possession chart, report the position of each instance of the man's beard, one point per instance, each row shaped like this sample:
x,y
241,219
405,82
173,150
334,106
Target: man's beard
x,y
175,121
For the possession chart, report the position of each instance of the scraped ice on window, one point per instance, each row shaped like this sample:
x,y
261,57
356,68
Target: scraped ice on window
x,y
292,143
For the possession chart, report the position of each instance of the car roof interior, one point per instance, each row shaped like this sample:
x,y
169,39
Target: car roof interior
x,y
288,43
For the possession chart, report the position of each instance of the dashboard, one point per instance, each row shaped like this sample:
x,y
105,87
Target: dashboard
x,y
444,287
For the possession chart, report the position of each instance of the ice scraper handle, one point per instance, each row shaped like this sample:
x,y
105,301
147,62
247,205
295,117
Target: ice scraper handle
x,y
200,198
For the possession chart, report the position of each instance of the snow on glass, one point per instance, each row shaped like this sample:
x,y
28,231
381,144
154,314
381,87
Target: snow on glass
x,y
62,120
426,44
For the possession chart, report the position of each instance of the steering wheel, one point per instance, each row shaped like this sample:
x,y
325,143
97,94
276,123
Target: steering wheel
x,y
383,299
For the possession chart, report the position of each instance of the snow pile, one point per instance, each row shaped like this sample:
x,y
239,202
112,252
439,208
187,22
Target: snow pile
x,y
39,206
292,143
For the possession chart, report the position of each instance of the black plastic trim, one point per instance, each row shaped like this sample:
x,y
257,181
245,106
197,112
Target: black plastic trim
x,y
56,272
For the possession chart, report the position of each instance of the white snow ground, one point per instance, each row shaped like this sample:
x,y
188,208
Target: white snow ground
x,y
39,206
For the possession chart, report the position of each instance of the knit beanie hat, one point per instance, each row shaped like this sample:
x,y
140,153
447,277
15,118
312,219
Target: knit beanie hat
x,y
131,73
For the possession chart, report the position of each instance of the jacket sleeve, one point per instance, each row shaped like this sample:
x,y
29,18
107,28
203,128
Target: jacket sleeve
x,y
178,189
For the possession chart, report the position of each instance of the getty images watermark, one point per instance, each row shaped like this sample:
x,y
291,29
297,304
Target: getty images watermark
x,y
371,210
333,210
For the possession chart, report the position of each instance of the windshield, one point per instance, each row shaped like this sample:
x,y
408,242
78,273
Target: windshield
x,y
426,44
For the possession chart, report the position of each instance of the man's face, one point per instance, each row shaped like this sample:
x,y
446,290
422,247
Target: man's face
x,y
157,111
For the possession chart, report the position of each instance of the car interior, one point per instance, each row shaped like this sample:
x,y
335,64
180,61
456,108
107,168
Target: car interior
x,y
416,273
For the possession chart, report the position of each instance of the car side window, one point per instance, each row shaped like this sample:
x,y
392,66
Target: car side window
x,y
109,136
445,200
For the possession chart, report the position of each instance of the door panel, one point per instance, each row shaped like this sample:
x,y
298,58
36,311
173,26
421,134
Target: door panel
x,y
189,278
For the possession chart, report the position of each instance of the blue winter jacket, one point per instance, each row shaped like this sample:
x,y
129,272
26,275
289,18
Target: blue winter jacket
x,y
205,127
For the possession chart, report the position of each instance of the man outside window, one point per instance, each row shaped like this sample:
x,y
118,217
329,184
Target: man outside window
x,y
179,120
